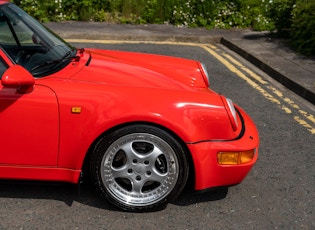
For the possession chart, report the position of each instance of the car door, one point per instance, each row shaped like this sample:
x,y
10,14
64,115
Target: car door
x,y
29,124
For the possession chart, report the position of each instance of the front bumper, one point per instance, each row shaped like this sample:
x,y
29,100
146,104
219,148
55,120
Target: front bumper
x,y
209,173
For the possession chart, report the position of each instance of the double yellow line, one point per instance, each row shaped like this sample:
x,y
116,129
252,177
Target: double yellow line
x,y
272,94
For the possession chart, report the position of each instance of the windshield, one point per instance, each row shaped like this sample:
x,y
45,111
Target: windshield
x,y
30,44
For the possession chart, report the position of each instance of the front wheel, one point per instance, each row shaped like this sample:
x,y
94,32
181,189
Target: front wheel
x,y
139,167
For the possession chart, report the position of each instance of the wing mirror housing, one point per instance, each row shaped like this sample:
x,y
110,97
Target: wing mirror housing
x,y
18,77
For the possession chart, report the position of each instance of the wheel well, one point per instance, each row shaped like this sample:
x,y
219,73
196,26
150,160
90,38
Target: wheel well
x,y
86,163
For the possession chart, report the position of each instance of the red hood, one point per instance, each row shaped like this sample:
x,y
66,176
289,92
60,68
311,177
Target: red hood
x,y
141,70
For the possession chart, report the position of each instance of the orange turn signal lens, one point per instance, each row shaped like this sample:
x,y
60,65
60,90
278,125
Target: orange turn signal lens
x,y
235,158
76,110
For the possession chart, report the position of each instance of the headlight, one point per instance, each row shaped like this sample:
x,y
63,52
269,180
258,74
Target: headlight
x,y
205,74
229,106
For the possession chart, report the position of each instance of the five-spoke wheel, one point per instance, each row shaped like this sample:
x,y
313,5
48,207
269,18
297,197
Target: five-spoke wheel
x,y
139,167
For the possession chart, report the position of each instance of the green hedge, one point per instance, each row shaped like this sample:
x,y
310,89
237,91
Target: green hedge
x,y
295,19
205,13
303,27
280,12
290,18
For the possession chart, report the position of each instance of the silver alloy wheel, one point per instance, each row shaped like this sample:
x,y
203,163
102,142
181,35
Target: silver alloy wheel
x,y
139,169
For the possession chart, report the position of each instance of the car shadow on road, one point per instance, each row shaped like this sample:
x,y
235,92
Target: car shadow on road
x,y
85,194
64,192
190,196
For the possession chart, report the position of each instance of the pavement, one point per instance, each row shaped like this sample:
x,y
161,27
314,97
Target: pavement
x,y
270,54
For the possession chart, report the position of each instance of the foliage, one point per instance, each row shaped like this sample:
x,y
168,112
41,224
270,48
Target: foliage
x,y
58,10
303,27
295,19
290,18
194,13
220,14
280,12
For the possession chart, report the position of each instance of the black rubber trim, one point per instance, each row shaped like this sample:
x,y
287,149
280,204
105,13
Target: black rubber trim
x,y
89,60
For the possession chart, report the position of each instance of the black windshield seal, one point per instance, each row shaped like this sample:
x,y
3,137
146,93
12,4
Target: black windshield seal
x,y
50,67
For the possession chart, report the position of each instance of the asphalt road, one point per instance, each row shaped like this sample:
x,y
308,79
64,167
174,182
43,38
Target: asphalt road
x,y
279,193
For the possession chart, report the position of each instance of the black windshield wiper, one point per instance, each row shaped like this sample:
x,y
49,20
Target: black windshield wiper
x,y
66,57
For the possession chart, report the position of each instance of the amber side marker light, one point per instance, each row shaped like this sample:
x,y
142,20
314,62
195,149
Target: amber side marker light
x,y
235,158
76,110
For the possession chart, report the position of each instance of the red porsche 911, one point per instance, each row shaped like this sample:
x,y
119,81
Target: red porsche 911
x,y
138,123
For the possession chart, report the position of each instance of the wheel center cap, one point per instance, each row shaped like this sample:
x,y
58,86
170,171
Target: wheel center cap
x,y
140,169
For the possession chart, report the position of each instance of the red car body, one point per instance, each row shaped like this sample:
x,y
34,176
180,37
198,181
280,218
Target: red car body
x,y
50,124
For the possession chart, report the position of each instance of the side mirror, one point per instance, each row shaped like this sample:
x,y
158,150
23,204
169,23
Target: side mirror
x,y
18,77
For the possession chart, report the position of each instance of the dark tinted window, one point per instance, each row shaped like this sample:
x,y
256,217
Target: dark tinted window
x,y
3,67
30,44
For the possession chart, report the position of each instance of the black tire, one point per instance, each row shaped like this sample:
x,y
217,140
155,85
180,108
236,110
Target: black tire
x,y
139,168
